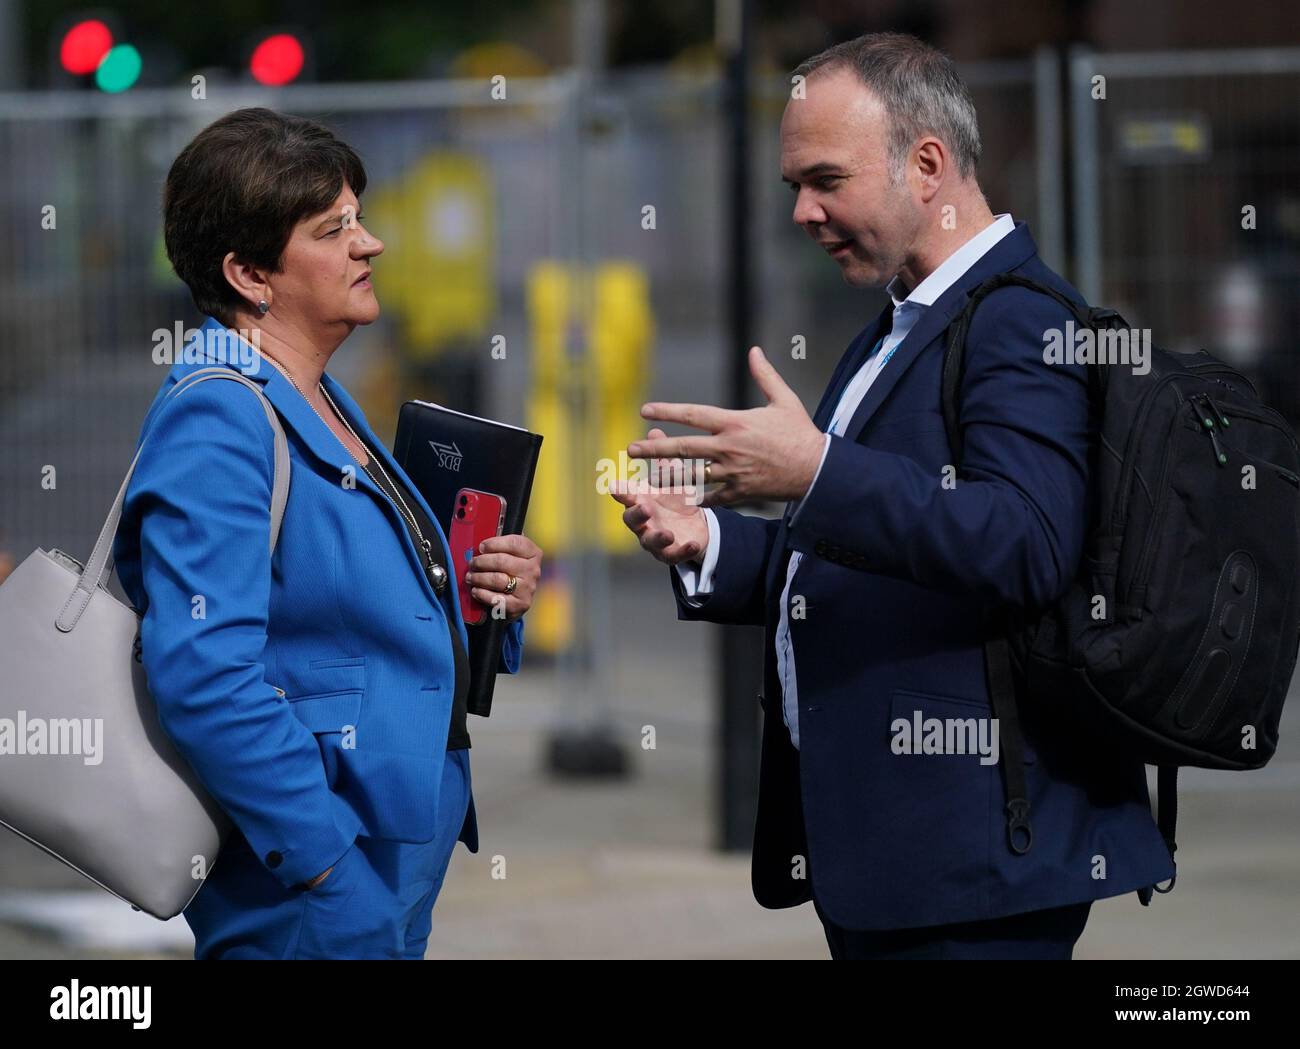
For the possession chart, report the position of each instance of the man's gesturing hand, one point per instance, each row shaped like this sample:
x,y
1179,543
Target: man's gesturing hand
x,y
669,524
770,452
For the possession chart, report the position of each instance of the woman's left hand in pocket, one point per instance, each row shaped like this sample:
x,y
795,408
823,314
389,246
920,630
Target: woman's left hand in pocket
x,y
499,558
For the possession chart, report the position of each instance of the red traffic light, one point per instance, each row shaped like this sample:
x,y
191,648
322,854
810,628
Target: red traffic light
x,y
277,60
84,46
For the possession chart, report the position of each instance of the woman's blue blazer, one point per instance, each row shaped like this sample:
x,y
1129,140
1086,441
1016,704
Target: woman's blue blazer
x,y
311,689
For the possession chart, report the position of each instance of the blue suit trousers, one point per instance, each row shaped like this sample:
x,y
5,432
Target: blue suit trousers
x,y
376,903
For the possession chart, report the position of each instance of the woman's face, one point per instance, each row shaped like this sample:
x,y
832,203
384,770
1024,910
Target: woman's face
x,y
324,277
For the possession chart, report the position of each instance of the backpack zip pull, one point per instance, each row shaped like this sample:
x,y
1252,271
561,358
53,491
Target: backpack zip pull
x,y
1207,420
1223,419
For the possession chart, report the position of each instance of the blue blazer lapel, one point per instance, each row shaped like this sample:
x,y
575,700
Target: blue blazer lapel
x,y
352,412
1010,252
215,347
318,438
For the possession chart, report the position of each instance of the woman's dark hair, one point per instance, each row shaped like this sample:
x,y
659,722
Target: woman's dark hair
x,y
242,185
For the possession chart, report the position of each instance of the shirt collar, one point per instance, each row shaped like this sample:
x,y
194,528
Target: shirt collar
x,y
950,270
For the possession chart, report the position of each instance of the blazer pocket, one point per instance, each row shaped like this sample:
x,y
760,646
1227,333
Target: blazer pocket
x,y
332,662
331,712
328,696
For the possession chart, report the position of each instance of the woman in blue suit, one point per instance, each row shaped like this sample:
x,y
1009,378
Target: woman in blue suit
x,y
319,691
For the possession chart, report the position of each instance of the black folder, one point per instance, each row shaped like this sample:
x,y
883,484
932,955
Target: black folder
x,y
442,451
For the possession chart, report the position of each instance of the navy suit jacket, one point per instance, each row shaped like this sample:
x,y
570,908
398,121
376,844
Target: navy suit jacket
x,y
896,570
310,690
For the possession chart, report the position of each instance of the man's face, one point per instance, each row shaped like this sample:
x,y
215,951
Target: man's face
x,y
835,157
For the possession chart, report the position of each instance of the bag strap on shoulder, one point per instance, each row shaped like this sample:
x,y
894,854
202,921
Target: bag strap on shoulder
x,y
997,650
100,566
954,360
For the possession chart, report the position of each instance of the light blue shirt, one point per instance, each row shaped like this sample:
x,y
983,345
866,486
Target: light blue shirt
x,y
698,581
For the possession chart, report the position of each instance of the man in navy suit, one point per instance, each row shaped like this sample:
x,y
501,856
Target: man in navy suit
x,y
874,584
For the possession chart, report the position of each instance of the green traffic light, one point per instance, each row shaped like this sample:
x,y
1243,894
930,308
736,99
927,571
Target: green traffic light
x,y
119,69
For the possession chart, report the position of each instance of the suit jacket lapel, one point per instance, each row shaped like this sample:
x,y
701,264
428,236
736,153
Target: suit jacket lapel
x,y
1008,253
931,323
848,366
849,363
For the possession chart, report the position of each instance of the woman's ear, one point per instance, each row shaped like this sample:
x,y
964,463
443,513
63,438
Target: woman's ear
x,y
248,280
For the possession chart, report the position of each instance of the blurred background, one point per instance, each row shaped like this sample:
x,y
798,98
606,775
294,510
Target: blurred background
x,y
583,210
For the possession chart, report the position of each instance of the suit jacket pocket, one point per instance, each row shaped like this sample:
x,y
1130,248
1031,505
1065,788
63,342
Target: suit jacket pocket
x,y
967,725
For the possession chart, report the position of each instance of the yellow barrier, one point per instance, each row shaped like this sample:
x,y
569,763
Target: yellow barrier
x,y
589,408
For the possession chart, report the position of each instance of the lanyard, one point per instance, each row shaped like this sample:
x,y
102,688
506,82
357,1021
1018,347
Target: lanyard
x,y
866,364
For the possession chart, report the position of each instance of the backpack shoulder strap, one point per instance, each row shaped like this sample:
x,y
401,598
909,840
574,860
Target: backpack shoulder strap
x,y
954,360
999,675
1167,821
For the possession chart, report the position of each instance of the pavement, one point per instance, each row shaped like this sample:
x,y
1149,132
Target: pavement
x,y
627,869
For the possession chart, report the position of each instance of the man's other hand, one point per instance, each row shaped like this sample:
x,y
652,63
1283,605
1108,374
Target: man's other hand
x,y
669,524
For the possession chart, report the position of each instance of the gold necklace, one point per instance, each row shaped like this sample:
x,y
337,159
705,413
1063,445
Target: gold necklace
x,y
436,570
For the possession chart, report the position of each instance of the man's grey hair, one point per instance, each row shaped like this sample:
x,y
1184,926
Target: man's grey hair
x,y
920,90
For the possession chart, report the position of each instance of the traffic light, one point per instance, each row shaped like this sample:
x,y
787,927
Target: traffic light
x,y
277,60
87,47
119,69
84,46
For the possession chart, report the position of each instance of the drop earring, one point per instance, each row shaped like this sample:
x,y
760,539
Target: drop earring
x,y
263,306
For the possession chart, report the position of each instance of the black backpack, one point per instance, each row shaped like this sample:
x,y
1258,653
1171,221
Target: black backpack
x,y
1178,636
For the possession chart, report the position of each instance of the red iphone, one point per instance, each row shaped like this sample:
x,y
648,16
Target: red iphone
x,y
477,516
